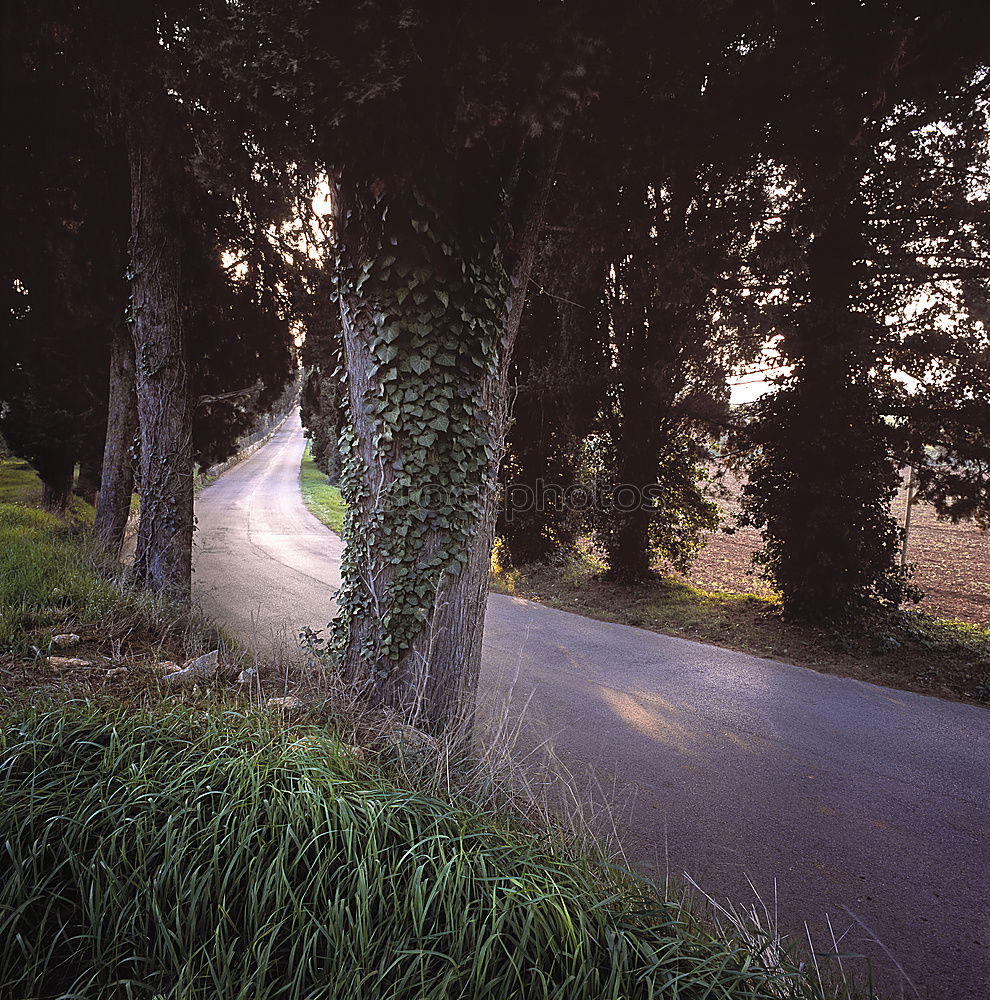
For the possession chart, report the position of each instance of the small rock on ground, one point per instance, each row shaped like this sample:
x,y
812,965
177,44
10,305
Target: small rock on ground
x,y
201,668
288,704
64,662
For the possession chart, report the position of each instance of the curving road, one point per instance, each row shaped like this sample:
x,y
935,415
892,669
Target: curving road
x,y
838,801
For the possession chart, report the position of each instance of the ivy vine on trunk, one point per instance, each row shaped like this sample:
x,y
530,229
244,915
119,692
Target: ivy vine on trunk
x,y
423,314
429,313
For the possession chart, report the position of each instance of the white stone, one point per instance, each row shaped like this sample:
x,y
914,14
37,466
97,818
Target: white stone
x,y
201,668
61,662
288,704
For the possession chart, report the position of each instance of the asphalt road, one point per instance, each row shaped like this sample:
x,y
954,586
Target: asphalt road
x,y
841,803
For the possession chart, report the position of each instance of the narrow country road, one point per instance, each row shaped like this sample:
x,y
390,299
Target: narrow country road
x,y
828,795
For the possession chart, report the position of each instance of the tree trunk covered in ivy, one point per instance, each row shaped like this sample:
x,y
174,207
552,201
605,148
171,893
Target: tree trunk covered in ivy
x,y
429,314
117,483
163,560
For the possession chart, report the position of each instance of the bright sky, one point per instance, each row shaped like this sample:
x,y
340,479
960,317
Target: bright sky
x,y
746,388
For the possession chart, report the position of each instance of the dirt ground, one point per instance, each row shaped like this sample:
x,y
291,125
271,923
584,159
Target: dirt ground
x,y
952,560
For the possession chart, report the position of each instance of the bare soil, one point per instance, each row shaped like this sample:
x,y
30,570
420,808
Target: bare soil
x,y
952,561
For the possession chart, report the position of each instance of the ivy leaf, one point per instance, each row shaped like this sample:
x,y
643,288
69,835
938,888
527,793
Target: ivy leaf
x,y
419,365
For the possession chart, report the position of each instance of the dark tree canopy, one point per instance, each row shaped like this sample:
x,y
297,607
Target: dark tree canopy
x,y
64,198
586,214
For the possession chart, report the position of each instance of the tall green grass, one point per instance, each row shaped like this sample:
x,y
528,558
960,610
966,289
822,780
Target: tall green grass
x,y
19,483
46,578
192,857
54,579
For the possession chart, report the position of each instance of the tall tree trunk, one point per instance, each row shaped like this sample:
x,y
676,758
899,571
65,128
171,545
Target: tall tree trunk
x,y
429,321
88,481
117,483
837,542
56,483
639,337
823,485
163,559
629,554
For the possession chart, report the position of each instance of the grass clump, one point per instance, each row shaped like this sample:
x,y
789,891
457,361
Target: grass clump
x,y
323,500
19,483
225,857
54,579
47,578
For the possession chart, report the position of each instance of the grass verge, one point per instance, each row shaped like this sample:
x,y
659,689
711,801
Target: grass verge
x,y
323,500
909,650
54,580
225,857
19,483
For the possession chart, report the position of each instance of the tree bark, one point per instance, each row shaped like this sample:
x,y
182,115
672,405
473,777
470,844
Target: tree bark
x,y
433,680
88,481
56,483
163,559
629,553
117,482
643,329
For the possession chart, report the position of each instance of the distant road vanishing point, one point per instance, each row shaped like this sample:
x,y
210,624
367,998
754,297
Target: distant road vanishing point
x,y
842,798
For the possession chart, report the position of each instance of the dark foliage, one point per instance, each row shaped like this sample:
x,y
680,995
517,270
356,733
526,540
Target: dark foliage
x,y
64,205
870,216
559,381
